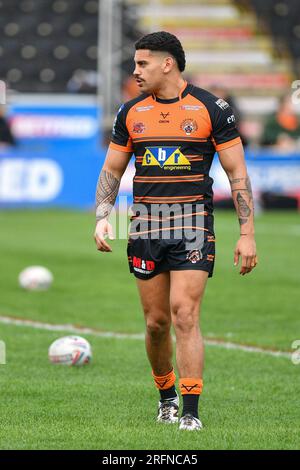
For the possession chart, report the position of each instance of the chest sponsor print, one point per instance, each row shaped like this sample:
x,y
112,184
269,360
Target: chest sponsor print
x,y
165,157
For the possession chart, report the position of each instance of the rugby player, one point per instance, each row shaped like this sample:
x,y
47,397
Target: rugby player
x,y
174,129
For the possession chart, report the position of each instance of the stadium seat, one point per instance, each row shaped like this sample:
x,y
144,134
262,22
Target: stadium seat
x,y
44,42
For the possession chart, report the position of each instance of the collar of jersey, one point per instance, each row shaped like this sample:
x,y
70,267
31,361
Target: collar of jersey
x,y
183,92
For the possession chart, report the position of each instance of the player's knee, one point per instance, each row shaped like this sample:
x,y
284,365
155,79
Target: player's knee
x,y
185,318
157,327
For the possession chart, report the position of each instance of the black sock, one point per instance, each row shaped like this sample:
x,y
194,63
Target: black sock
x,y
168,393
190,404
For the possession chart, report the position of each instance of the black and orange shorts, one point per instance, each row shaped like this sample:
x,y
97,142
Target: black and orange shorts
x,y
149,257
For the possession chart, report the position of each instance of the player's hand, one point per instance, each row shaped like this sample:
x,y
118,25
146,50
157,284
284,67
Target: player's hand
x,y
102,230
246,249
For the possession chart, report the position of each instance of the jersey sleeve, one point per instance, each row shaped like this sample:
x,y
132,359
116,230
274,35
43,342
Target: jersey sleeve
x,y
120,139
224,131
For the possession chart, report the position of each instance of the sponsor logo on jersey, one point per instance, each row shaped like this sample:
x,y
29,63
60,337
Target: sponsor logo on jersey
x,y
140,109
164,116
231,119
194,255
143,266
138,127
165,157
190,107
189,126
222,104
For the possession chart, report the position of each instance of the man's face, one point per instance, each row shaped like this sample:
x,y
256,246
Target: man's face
x,y
150,69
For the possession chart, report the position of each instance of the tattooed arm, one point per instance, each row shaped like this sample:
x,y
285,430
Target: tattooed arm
x,y
106,194
243,201
233,162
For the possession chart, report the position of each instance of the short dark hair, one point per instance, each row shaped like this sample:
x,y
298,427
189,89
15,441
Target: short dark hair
x,y
165,42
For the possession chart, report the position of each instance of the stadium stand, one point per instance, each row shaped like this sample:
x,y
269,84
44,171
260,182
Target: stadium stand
x,y
283,20
250,47
223,45
43,42
228,45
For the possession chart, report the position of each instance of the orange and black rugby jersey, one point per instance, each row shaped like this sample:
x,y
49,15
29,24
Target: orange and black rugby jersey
x,y
174,142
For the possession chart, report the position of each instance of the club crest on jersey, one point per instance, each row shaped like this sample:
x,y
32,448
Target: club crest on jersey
x,y
194,256
165,157
138,127
189,126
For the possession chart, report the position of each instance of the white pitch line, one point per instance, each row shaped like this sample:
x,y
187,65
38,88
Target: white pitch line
x,y
68,327
140,336
245,348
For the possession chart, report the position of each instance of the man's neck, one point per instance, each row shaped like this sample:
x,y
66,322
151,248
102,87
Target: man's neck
x,y
170,89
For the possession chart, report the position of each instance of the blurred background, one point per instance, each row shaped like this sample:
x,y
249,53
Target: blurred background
x,y
67,66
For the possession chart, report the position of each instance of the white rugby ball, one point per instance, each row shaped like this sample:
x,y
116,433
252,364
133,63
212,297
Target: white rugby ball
x,y
35,278
70,351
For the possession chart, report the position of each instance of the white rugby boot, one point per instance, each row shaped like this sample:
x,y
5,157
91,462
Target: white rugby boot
x,y
168,410
190,423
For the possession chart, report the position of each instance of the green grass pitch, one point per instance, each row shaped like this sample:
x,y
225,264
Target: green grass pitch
x,y
250,400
